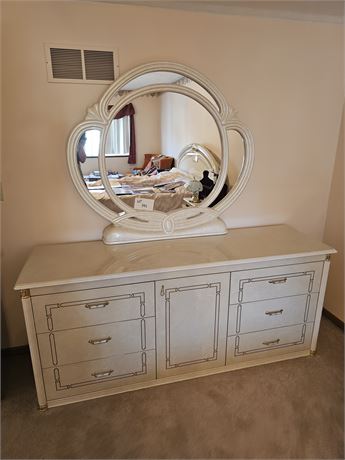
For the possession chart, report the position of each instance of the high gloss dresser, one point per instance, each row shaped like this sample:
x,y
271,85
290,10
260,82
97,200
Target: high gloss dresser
x,y
107,319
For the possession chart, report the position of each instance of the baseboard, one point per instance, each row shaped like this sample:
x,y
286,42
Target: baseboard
x,y
12,351
338,322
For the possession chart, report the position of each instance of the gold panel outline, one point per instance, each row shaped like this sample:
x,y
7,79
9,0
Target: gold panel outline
x,y
53,350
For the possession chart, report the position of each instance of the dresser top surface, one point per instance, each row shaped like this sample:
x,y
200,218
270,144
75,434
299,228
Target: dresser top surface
x,y
58,264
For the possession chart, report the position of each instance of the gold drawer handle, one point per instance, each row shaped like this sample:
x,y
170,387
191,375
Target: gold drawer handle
x,y
91,306
274,312
271,342
278,281
99,341
99,375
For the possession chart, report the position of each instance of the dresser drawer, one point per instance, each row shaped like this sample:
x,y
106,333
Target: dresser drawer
x,y
94,342
55,312
256,345
100,374
268,314
270,283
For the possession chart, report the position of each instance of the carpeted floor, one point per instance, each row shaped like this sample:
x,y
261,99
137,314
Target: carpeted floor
x,y
292,409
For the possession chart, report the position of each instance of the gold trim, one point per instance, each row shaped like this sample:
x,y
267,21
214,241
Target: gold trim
x,y
25,293
328,257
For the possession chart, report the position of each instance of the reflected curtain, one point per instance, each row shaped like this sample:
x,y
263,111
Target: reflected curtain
x,y
128,111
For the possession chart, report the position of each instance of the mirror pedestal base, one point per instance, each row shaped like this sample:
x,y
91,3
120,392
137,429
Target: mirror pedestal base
x,y
114,234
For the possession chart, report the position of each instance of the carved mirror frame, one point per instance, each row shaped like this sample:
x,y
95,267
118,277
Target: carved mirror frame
x,y
136,225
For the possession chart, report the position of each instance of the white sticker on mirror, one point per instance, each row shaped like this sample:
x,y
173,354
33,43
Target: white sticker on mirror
x,y
144,204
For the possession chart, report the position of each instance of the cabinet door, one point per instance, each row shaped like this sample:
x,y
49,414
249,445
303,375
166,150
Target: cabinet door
x,y
191,323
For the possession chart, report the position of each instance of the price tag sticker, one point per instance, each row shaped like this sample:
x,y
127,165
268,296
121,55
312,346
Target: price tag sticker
x,y
145,204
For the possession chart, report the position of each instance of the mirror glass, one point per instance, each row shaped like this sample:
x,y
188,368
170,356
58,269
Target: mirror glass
x,y
177,145
235,164
158,148
166,78
236,157
88,148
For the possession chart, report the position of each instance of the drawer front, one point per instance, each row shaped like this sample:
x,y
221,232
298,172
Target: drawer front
x,y
270,283
268,314
100,374
95,342
56,312
256,345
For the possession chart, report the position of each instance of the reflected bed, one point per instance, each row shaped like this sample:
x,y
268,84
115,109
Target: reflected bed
x,y
167,189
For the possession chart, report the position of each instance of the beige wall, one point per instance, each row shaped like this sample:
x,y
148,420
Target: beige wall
x,y
284,77
334,233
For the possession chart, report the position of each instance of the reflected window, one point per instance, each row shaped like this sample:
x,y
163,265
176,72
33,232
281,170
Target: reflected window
x,y
118,140
91,146
117,143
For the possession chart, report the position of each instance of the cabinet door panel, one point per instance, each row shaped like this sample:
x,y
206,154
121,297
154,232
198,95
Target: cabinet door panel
x,y
191,323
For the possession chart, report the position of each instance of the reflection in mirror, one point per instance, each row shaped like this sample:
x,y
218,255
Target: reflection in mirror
x,y
81,154
167,78
87,159
162,180
236,157
136,134
145,144
87,154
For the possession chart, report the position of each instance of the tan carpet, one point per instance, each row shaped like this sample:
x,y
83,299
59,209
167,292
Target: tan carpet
x,y
292,409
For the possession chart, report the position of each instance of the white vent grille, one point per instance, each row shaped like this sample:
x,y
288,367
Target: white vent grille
x,y
66,63
99,65
77,64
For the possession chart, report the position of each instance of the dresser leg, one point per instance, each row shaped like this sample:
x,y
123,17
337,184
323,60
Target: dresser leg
x,y
312,352
35,357
43,408
320,304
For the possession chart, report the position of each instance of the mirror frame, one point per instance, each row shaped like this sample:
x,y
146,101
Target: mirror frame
x,y
157,224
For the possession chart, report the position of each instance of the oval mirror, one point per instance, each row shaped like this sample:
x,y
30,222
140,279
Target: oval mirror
x,y
161,155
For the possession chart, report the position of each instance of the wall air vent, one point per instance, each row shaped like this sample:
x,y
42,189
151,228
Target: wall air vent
x,y
77,64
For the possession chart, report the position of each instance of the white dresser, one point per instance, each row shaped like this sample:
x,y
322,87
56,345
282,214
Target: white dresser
x,y
108,319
